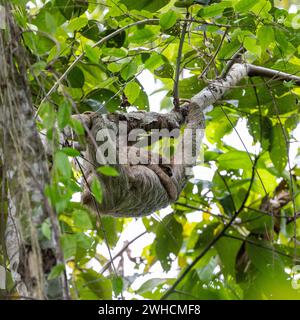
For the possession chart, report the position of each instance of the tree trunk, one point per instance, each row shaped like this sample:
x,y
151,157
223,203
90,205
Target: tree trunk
x,y
25,171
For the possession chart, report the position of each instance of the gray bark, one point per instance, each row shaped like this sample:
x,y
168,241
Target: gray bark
x,y
25,167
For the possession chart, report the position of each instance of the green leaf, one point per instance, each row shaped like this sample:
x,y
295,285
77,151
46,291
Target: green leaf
x,y
193,288
260,128
228,249
184,3
82,219
92,30
154,61
214,9
206,272
117,284
56,271
70,152
166,244
141,36
234,160
107,100
115,42
149,5
93,54
266,36
129,71
62,164
77,24
229,49
46,229
96,190
244,5
261,9
77,126
84,245
97,283
164,71
50,22
115,67
64,114
202,234
112,227
69,245
278,149
250,43
150,285
132,91
168,19
47,114
115,52
71,8
263,259
76,77
108,171
189,87
219,125
257,222
142,101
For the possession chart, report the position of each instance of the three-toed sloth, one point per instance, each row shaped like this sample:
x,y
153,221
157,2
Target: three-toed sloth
x,y
147,181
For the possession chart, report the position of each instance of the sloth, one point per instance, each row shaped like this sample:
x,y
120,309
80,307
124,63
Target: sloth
x,y
143,186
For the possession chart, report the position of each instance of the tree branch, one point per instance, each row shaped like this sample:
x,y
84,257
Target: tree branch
x,y
178,62
215,240
270,73
98,43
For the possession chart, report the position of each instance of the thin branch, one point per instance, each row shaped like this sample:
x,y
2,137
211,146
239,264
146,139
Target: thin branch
x,y
220,25
292,191
106,266
98,43
234,59
215,55
270,73
219,216
215,240
259,245
178,62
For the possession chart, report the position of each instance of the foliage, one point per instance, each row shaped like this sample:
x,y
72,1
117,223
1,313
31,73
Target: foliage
x,y
253,259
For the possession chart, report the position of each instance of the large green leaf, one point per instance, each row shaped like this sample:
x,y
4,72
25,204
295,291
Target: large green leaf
x,y
214,9
279,148
97,283
168,19
244,5
168,240
148,5
228,249
261,129
234,160
62,164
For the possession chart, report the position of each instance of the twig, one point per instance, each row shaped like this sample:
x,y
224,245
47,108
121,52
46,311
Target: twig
x,y
100,42
258,245
270,73
215,54
215,240
106,266
178,62
292,191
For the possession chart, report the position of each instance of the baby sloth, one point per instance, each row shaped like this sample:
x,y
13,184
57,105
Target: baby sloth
x,y
147,181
